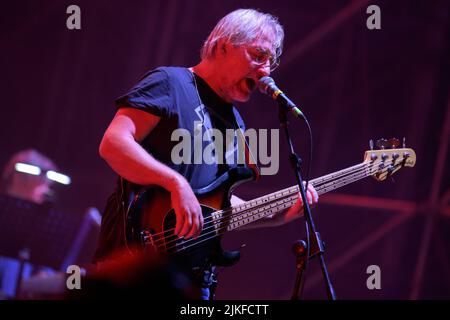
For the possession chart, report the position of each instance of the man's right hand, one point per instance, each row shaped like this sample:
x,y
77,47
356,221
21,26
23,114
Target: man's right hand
x,y
189,218
121,148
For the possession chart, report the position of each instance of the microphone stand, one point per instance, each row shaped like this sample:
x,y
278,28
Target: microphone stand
x,y
316,245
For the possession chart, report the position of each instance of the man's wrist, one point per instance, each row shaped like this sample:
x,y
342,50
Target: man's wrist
x,y
175,183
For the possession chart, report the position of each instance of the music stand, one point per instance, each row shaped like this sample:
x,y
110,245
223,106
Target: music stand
x,y
35,233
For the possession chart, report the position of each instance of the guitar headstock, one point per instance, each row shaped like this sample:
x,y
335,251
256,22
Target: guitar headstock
x,y
387,160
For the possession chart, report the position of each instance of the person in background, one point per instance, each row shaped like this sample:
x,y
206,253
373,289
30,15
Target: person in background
x,y
20,183
24,177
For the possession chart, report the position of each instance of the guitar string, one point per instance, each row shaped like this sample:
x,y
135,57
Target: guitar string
x,y
290,191
222,230
267,206
321,185
216,233
281,202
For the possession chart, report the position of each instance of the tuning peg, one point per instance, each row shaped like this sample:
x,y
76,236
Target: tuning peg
x,y
371,144
394,143
390,171
382,143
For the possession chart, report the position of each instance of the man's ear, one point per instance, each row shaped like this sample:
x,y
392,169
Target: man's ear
x,y
222,46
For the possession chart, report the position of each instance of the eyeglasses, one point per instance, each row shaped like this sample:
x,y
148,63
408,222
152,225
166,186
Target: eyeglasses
x,y
260,57
36,171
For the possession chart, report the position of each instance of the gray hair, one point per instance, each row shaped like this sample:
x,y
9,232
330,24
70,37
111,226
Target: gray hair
x,y
243,26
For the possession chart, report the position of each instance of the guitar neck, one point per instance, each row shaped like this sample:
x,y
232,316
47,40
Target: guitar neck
x,y
256,209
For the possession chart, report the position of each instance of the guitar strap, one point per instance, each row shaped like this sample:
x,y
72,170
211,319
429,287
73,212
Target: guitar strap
x,y
249,159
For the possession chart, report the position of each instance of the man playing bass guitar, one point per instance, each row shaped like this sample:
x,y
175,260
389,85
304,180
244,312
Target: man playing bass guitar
x,y
244,46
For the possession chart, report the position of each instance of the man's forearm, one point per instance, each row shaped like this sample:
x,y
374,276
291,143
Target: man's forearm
x,y
128,159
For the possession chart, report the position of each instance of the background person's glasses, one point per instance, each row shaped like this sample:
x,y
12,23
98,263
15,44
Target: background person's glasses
x,y
36,171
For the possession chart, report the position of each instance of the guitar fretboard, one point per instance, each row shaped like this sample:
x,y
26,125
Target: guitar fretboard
x,y
256,209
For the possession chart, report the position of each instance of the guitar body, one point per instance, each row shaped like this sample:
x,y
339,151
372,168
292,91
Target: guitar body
x,y
151,222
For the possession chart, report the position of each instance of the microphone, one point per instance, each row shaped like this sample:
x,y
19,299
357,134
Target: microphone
x,y
267,86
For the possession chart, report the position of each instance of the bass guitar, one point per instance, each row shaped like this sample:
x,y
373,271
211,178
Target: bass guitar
x,y
151,219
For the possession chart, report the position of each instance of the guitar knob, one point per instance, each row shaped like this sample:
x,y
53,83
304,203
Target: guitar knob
x,y
384,156
395,156
373,157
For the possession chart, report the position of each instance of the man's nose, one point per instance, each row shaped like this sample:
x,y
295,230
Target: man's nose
x,y
264,70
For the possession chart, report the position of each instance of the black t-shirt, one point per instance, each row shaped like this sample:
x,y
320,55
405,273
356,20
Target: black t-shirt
x,y
171,93
184,101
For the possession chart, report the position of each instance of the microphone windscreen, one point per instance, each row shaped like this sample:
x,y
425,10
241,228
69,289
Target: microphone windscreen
x,y
264,83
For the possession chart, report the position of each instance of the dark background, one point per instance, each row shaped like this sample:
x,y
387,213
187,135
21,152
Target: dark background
x,y
354,84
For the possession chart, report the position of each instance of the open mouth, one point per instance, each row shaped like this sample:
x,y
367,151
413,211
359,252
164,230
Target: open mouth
x,y
251,84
